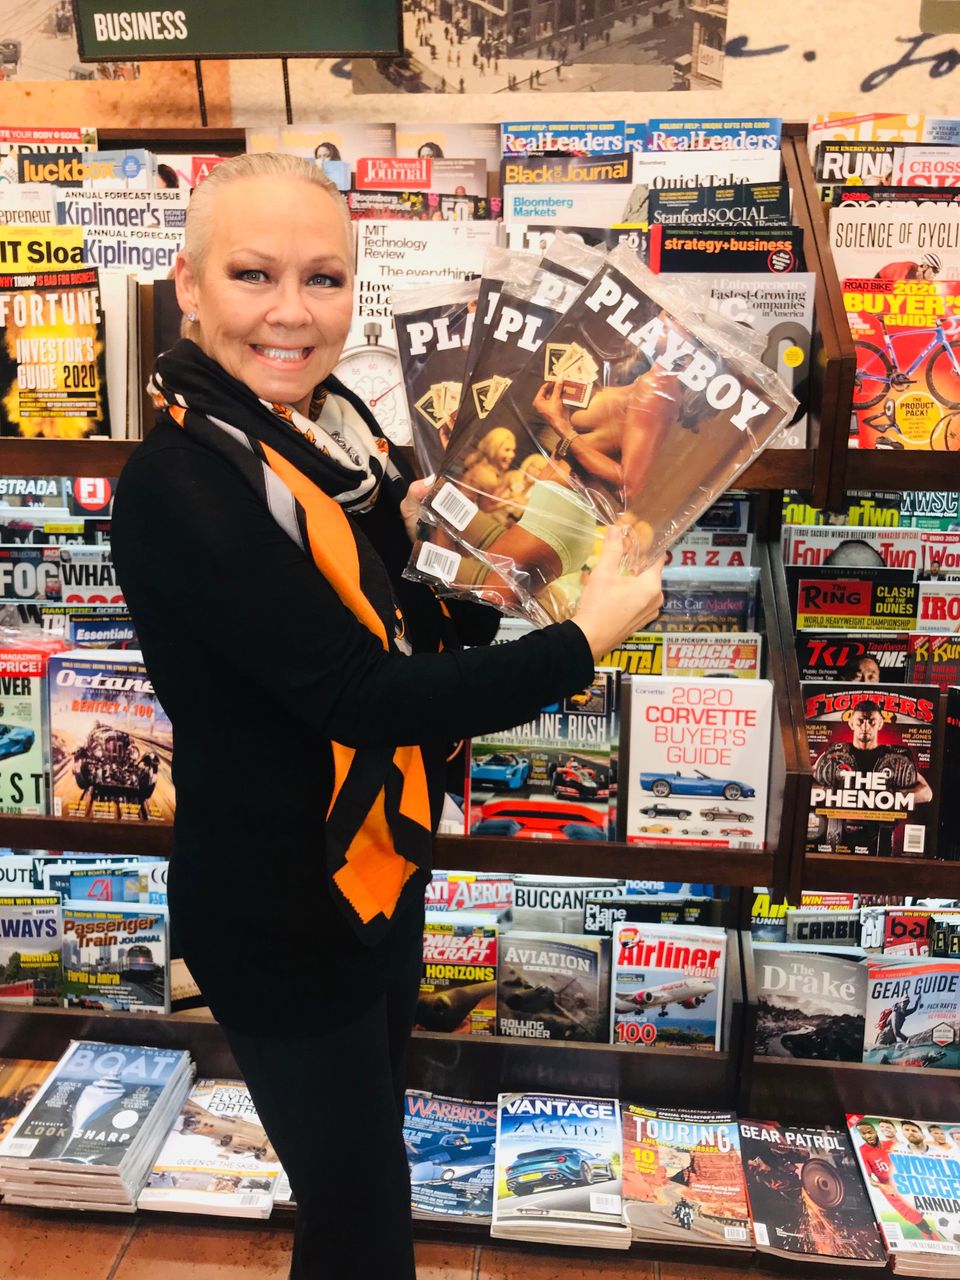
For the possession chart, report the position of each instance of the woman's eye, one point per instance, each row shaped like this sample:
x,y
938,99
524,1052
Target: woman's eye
x,y
326,282
253,275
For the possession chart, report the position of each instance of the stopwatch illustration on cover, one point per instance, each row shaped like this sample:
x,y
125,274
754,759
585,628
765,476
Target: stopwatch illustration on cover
x,y
372,371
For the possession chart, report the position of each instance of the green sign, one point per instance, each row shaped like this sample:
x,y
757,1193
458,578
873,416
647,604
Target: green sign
x,y
131,31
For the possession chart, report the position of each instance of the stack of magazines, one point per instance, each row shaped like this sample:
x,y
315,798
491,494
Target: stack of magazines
x,y
89,1136
558,1178
216,1159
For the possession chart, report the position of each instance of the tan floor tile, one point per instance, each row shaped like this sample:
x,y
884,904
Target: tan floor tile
x,y
35,1245
512,1264
445,1261
179,1250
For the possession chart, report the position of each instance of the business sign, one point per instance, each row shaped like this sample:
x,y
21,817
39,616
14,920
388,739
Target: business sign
x,y
126,31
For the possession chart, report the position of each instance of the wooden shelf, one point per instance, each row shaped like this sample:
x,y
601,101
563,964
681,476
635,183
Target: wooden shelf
x,y
804,1091
619,861
834,365
64,457
463,1066
922,877
876,469
85,834
832,358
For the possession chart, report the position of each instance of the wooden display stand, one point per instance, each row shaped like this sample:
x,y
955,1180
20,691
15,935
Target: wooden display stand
x,y
764,1088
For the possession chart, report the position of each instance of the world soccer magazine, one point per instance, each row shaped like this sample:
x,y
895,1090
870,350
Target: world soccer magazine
x,y
912,1171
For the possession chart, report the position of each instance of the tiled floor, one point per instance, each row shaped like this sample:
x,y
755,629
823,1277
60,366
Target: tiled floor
x,y
40,1246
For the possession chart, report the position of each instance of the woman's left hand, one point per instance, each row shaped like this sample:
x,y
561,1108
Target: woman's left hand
x,y
410,506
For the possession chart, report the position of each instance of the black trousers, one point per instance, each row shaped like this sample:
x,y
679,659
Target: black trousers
x,y
332,1105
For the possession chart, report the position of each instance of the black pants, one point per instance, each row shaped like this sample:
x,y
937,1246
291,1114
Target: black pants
x,y
332,1105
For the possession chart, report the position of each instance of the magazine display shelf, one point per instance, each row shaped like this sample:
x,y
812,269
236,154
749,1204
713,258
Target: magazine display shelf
x,y
471,1066
788,791
837,871
793,1089
867,469
803,469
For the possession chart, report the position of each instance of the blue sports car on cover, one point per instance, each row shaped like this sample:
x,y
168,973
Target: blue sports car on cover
x,y
14,740
555,1167
701,784
501,771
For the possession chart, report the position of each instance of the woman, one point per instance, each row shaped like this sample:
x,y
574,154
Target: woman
x,y
260,532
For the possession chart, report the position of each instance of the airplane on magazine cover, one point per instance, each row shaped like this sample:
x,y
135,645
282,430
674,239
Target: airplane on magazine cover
x,y
689,993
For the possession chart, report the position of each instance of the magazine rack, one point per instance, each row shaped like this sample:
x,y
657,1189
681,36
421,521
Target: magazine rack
x,y
868,469
793,1089
787,1089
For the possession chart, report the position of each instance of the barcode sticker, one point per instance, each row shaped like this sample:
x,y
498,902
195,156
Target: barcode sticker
x,y
438,562
20,1146
914,837
455,508
760,1231
601,1203
734,1233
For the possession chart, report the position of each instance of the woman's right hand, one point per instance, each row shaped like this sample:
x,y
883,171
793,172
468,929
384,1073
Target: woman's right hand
x,y
614,604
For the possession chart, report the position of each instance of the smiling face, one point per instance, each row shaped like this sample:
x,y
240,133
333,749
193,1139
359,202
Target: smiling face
x,y
274,294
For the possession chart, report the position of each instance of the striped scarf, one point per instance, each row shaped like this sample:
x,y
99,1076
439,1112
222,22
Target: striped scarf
x,y
378,829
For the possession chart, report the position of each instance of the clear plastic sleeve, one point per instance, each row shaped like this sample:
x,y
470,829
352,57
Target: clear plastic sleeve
x,y
434,326
637,409
516,323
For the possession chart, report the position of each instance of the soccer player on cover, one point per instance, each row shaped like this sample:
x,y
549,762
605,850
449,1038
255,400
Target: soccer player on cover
x,y
866,754
876,1160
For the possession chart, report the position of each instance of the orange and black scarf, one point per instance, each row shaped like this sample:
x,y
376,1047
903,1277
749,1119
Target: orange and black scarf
x,y
378,829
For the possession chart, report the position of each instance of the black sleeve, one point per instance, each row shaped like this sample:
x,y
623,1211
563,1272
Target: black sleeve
x,y
196,548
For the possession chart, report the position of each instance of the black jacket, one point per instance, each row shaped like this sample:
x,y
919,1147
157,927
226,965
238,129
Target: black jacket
x,y
259,666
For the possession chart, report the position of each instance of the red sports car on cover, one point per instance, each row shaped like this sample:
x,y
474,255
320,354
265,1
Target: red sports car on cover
x,y
539,819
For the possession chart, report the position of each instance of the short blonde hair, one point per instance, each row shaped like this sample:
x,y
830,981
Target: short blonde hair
x,y
261,164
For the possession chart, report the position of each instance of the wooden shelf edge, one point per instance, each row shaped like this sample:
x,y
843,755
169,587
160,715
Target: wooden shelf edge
x,y
874,469
849,873
82,834
64,457
733,867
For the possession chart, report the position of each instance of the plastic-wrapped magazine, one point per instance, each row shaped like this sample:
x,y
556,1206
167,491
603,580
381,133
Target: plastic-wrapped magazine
x,y
683,1179
559,1170
638,409
450,1148
515,314
434,327
216,1158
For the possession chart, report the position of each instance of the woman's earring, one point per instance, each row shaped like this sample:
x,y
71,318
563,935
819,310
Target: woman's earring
x,y
191,316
